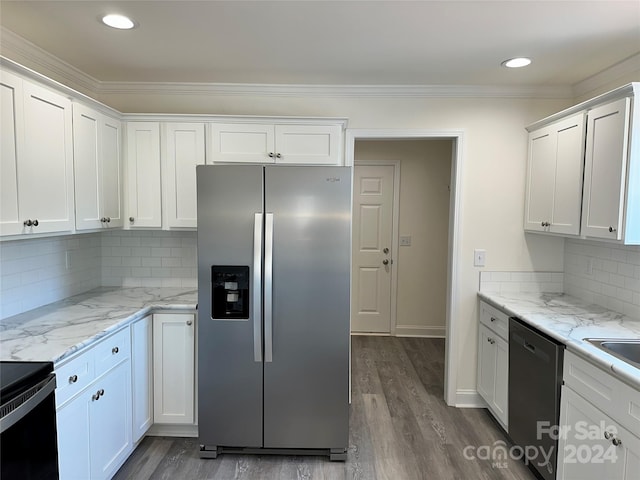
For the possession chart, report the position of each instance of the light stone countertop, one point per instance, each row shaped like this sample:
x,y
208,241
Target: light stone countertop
x,y
58,330
570,320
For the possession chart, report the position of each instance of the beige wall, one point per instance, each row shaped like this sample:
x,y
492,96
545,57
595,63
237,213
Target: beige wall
x,y
425,174
494,149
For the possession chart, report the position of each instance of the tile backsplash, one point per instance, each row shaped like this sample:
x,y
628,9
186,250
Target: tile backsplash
x,y
521,282
605,274
149,259
39,271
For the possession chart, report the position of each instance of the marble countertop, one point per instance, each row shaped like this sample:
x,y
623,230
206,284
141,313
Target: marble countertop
x,y
571,320
58,330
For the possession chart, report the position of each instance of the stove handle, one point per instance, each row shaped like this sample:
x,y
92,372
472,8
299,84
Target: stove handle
x,y
19,408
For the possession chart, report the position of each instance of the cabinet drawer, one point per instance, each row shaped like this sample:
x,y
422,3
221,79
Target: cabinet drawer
x,y
73,376
111,351
614,397
495,319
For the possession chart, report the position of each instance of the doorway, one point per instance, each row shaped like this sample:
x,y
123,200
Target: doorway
x,y
453,231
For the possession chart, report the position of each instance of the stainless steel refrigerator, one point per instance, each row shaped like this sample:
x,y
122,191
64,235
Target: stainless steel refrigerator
x,y
274,247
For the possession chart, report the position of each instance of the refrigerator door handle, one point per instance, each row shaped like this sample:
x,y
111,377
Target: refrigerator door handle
x,y
257,287
268,288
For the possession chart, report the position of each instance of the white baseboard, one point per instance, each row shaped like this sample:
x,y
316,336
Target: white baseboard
x,y
421,331
469,399
166,430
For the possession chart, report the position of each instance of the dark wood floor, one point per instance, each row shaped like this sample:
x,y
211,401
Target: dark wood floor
x,y
400,429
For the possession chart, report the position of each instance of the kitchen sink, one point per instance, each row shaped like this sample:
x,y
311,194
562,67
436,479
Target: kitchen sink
x,y
626,350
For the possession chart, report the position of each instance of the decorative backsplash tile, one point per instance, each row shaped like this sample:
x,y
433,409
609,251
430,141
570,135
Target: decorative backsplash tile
x,y
149,259
604,274
38,271
521,282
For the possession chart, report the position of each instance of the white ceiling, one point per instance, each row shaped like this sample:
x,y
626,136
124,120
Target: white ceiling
x,y
335,42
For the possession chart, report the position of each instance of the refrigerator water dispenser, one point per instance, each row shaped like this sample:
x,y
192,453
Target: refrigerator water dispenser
x,y
230,292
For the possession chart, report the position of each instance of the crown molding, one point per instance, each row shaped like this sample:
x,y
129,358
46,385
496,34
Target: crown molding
x,y
28,54
611,74
293,90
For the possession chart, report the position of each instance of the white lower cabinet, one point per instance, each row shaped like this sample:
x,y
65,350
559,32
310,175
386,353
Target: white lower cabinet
x,y
593,442
493,361
174,368
142,376
94,426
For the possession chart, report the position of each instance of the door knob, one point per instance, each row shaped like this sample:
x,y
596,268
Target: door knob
x,y
385,262
385,250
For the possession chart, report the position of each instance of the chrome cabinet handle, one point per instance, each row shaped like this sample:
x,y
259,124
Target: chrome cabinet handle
x,y
108,219
73,378
545,224
616,441
493,319
611,229
270,154
385,250
115,350
101,391
608,435
96,396
27,223
385,262
103,219
131,219
491,340
278,155
189,322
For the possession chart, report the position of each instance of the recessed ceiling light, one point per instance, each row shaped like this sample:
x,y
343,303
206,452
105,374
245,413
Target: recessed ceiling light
x,y
516,62
118,21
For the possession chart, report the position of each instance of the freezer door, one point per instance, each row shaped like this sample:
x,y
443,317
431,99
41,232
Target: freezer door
x,y
230,203
307,268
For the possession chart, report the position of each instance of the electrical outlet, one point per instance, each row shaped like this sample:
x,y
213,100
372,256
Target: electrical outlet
x,y
479,257
405,240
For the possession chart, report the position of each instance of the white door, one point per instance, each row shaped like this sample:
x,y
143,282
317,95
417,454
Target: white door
x,y
371,255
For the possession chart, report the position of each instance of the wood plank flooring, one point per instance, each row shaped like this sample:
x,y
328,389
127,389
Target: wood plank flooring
x,y
400,429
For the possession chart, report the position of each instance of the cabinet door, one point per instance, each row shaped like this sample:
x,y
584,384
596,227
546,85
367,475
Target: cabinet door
x,y
111,171
143,175
540,179
584,452
11,145
183,150
501,386
86,159
308,144
605,170
110,422
243,143
142,376
45,180
554,177
173,368
72,422
567,192
486,363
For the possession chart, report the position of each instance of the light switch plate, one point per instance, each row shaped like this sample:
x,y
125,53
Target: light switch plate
x,y
405,240
479,257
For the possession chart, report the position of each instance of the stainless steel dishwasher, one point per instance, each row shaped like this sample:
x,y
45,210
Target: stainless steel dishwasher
x,y
535,381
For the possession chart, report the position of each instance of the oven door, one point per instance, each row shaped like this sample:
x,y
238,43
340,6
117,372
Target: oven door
x,y
28,440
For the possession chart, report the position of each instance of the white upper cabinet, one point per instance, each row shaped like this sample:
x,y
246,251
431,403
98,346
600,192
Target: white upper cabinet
x,y
183,147
308,144
278,143
606,170
608,142
37,159
11,144
97,164
554,177
144,207
242,143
